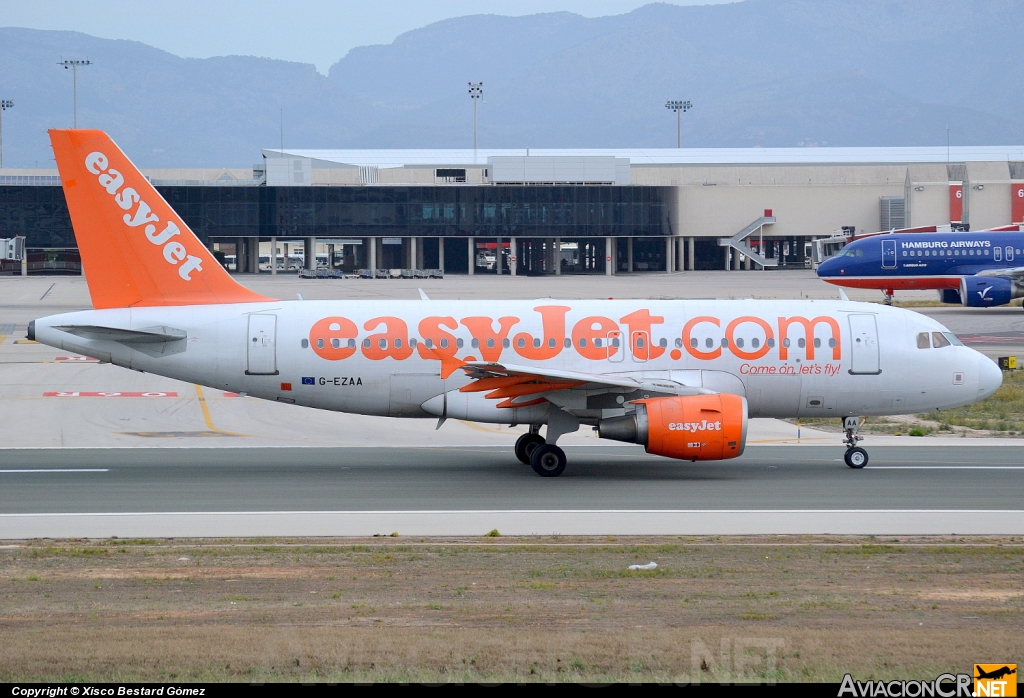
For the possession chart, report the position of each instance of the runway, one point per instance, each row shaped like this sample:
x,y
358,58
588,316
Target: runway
x,y
431,491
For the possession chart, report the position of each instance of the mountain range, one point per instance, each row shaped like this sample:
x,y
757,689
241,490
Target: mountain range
x,y
765,73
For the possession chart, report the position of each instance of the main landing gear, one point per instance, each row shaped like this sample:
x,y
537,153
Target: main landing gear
x,y
547,460
526,444
856,457
887,293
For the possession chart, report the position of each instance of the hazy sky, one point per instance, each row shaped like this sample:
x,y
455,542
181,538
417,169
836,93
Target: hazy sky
x,y
309,31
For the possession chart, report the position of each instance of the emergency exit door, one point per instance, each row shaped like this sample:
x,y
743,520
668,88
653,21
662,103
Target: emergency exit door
x,y
864,345
888,254
262,345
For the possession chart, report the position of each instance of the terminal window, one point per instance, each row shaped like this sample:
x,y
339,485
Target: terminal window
x,y
450,175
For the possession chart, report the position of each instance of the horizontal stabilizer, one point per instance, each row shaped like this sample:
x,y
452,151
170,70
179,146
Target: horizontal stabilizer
x,y
150,335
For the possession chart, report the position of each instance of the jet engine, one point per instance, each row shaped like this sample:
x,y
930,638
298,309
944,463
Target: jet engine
x,y
697,427
950,295
988,291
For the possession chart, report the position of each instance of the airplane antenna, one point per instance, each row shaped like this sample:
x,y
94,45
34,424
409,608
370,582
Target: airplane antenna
x,y
423,296
842,294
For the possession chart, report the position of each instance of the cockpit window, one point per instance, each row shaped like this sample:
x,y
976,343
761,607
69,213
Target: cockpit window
x,y
848,252
939,340
922,341
953,339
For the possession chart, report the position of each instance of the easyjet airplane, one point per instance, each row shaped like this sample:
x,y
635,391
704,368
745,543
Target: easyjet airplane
x,y
680,377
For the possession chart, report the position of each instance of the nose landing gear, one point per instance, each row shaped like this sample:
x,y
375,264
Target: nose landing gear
x,y
855,457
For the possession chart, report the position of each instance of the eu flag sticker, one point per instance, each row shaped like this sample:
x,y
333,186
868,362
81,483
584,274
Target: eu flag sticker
x,y
308,380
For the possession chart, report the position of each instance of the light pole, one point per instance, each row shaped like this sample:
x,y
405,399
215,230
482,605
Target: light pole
x,y
73,64
476,91
5,104
679,107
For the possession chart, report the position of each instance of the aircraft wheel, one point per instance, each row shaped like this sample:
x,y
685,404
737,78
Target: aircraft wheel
x,y
548,460
856,457
525,445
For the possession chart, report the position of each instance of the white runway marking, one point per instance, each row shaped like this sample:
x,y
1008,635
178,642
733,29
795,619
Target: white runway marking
x,y
946,467
59,470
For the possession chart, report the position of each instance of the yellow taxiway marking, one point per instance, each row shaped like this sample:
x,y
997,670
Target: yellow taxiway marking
x,y
206,414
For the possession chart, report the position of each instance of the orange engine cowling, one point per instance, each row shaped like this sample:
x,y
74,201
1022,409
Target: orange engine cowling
x,y
698,427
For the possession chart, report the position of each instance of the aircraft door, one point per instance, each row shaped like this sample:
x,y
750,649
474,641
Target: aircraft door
x,y
997,254
262,345
615,350
640,346
864,345
1009,253
888,254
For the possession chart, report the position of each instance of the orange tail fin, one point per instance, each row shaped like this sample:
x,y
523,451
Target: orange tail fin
x,y
135,249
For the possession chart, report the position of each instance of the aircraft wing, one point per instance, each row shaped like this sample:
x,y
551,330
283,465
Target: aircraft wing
x,y
534,384
1015,273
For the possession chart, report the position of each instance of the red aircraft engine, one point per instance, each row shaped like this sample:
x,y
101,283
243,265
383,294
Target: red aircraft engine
x,y
698,427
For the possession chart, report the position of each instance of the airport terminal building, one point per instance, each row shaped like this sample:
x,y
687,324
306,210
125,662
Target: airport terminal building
x,y
530,211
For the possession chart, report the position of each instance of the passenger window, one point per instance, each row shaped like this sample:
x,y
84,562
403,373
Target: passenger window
x,y
320,344
755,342
662,342
521,343
832,342
922,341
336,343
938,340
552,343
693,342
771,342
709,342
817,343
305,344
597,342
458,343
505,343
739,342
444,342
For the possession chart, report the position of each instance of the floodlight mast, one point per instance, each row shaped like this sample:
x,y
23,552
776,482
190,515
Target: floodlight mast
x,y
476,91
73,64
5,104
679,106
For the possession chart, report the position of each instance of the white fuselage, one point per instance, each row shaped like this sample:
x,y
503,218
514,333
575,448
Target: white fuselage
x,y
788,358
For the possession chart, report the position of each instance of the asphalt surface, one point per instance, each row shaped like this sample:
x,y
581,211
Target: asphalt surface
x,y
416,479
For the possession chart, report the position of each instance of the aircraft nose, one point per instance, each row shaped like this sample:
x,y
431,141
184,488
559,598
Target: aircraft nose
x,y
990,377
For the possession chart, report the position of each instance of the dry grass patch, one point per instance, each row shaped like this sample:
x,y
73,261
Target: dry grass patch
x,y
509,609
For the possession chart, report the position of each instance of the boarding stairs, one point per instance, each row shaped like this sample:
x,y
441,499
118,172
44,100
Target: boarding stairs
x,y
738,242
